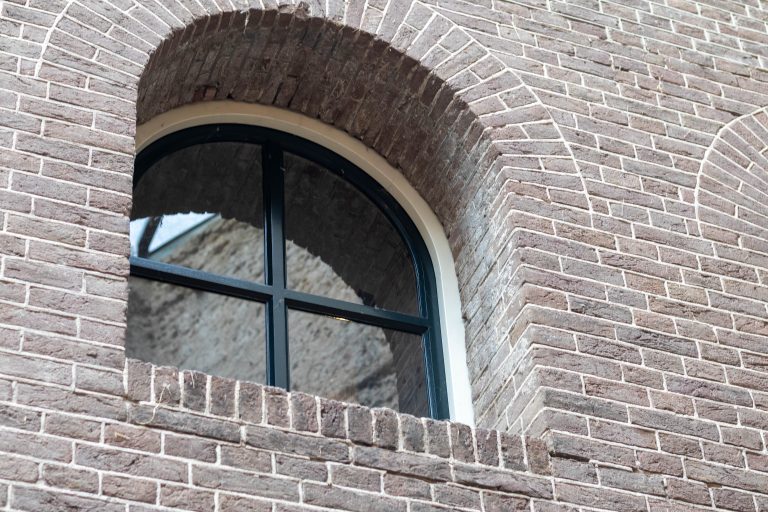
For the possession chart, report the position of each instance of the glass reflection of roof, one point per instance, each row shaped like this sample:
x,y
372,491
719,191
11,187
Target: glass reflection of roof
x,y
171,228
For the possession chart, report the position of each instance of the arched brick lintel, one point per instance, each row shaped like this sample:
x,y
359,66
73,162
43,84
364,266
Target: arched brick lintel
x,y
475,142
731,199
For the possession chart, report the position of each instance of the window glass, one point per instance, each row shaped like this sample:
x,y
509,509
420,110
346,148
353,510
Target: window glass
x,y
199,296
202,207
195,330
357,363
336,224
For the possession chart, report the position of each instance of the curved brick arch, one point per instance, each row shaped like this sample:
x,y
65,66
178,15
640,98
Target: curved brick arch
x,y
732,211
731,198
408,82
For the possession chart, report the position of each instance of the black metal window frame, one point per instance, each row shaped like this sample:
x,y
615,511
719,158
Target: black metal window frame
x,y
274,293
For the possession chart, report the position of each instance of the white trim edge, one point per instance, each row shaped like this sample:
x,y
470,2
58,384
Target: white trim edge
x,y
454,348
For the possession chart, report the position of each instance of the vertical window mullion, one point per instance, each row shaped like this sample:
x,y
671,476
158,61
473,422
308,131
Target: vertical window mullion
x,y
274,237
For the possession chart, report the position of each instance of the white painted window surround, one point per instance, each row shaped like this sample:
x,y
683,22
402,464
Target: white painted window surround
x,y
454,348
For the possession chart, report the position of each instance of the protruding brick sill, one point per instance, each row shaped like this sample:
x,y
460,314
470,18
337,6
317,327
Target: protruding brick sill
x,y
299,435
319,429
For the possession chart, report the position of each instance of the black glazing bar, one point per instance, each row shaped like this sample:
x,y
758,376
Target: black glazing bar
x,y
275,266
204,281
199,280
355,312
274,232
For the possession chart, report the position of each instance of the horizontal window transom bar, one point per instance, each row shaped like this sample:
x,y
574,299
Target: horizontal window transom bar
x,y
200,280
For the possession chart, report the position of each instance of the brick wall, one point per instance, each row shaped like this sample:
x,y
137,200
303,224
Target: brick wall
x,y
599,167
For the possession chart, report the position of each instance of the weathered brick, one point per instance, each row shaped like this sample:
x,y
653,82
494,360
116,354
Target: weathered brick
x,y
134,464
358,478
301,468
299,444
66,477
570,469
670,422
250,404
18,469
496,479
603,498
495,502
246,483
304,413
487,447
462,443
125,436
622,433
730,499
57,399
401,462
73,304
385,428
437,438
339,498
587,449
99,380
332,418
138,380
277,406
412,433
72,427
166,385
456,496
652,462
688,491
233,503
631,481
190,448
731,477
30,498
195,391
222,397
41,273
246,458
184,423
187,498
129,488
408,487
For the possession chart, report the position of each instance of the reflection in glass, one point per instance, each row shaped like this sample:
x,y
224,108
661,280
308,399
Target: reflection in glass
x,y
202,241
337,224
357,363
202,207
193,330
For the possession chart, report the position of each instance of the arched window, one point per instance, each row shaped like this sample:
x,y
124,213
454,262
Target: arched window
x,y
261,256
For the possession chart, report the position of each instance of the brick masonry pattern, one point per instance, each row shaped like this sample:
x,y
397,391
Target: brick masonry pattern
x,y
599,167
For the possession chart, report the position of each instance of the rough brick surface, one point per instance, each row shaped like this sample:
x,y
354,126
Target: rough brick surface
x,y
600,169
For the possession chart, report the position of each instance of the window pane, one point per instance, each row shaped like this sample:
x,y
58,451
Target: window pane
x,y
202,207
338,240
357,363
193,330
